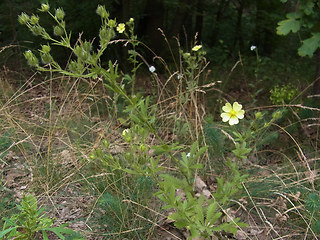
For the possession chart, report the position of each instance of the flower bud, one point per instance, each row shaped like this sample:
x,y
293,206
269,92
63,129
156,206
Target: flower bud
x,y
37,30
34,19
31,58
277,115
87,46
23,18
106,34
46,48
58,31
76,67
46,58
106,143
112,23
45,7
258,115
81,53
59,14
102,12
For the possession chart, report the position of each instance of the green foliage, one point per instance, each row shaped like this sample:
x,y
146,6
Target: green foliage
x,y
5,142
198,215
283,94
312,204
29,222
214,138
306,16
115,215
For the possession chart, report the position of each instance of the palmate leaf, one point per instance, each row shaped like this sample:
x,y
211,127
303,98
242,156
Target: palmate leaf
x,y
310,45
287,26
291,24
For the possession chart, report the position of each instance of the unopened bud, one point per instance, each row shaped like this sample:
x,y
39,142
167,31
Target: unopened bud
x,y
46,48
45,7
58,31
102,12
34,19
23,18
31,58
59,14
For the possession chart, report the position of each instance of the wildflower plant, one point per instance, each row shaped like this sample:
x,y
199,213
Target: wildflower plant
x,y
251,134
200,216
30,221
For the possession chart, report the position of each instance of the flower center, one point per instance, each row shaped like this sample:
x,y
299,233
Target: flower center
x,y
233,113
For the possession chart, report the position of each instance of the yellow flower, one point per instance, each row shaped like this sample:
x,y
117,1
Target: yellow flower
x,y
232,113
196,48
121,27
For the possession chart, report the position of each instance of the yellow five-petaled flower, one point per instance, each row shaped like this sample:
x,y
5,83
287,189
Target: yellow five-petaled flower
x,y
232,113
196,48
121,27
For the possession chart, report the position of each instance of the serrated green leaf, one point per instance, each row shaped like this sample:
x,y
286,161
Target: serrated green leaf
x,y
211,210
287,26
181,224
310,45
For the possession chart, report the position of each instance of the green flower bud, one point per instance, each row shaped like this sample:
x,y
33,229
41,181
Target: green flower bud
x,y
45,7
37,30
112,23
106,143
23,18
258,115
59,14
102,12
87,46
277,115
46,58
76,67
58,31
34,19
81,53
31,58
106,34
46,48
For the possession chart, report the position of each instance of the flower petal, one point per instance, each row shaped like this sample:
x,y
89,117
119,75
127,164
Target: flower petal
x,y
236,106
225,117
240,114
233,121
227,107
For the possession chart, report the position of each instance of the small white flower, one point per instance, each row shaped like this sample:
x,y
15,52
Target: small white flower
x,y
152,69
125,132
188,155
253,47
